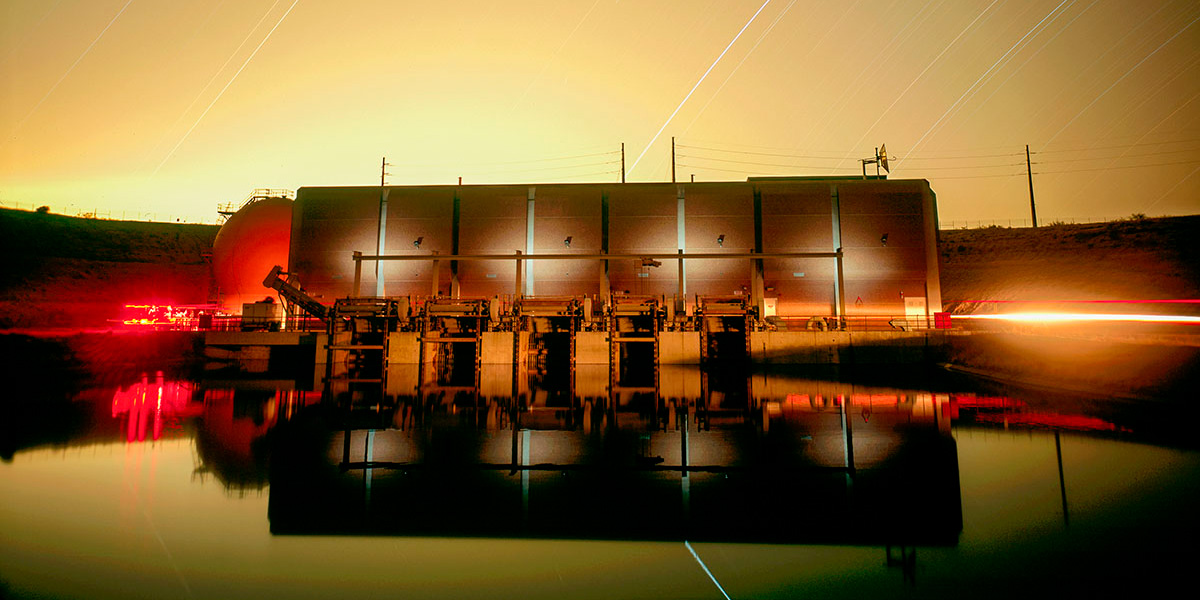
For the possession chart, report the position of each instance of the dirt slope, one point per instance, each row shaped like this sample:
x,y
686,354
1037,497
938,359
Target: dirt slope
x,y
58,271
1120,260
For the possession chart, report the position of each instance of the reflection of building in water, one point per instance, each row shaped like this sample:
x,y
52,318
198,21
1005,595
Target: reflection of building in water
x,y
804,460
231,436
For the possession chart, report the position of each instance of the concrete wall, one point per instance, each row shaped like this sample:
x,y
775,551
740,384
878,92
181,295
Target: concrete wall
x,y
679,381
404,347
837,347
591,380
591,348
497,348
679,348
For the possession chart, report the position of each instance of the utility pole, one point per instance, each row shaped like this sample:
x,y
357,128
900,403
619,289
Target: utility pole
x,y
622,162
383,202
1029,171
672,159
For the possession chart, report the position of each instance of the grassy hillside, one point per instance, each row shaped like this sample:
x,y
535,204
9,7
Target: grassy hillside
x,y
69,272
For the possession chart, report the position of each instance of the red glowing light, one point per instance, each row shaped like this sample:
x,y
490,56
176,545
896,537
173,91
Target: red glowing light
x,y
1186,301
165,316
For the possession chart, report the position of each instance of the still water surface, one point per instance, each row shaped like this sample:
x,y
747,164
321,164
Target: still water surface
x,y
190,486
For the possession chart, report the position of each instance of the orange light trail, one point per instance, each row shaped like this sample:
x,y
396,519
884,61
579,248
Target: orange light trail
x,y
1042,317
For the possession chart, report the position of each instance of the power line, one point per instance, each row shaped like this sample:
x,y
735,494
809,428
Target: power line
x,y
1123,156
1121,167
941,178
515,162
758,153
758,164
939,157
848,170
1118,146
555,168
965,167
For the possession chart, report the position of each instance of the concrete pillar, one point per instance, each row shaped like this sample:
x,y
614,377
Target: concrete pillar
x,y
681,240
528,291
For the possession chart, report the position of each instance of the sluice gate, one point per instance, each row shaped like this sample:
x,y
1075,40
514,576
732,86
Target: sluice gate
x,y
451,340
635,325
544,347
725,324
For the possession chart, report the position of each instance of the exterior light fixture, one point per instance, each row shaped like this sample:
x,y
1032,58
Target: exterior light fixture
x,y
417,242
721,240
883,240
567,242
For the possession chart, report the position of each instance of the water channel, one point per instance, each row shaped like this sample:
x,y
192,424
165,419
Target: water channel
x,y
156,478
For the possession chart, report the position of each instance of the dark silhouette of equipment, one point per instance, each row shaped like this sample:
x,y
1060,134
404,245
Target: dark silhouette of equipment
x,y
295,295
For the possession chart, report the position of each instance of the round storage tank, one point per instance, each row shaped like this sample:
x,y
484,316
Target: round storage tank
x,y
251,241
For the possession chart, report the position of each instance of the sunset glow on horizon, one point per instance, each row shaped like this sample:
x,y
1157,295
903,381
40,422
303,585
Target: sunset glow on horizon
x,y
127,107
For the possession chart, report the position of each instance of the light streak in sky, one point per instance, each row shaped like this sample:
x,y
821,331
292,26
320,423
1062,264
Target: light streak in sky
x,y
72,67
222,92
1177,184
1122,78
29,30
990,72
1035,54
212,79
861,80
546,64
884,112
698,82
1081,189
1102,58
741,62
1046,317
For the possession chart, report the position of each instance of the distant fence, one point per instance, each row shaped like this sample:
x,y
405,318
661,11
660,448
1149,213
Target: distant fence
x,y
981,223
115,215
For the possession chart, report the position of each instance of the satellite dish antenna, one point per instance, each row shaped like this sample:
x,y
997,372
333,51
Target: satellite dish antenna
x,y
880,160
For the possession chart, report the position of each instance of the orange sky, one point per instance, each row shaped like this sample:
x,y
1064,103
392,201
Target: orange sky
x,y
129,107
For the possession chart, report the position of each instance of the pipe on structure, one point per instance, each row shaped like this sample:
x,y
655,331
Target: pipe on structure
x,y
520,259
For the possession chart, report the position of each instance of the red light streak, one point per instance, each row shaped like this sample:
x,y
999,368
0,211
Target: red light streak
x,y
1049,317
1196,301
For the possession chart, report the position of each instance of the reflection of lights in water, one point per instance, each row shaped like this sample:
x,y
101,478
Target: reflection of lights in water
x,y
1045,317
169,398
1010,412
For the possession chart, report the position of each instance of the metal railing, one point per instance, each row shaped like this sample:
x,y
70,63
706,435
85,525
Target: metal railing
x,y
892,323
